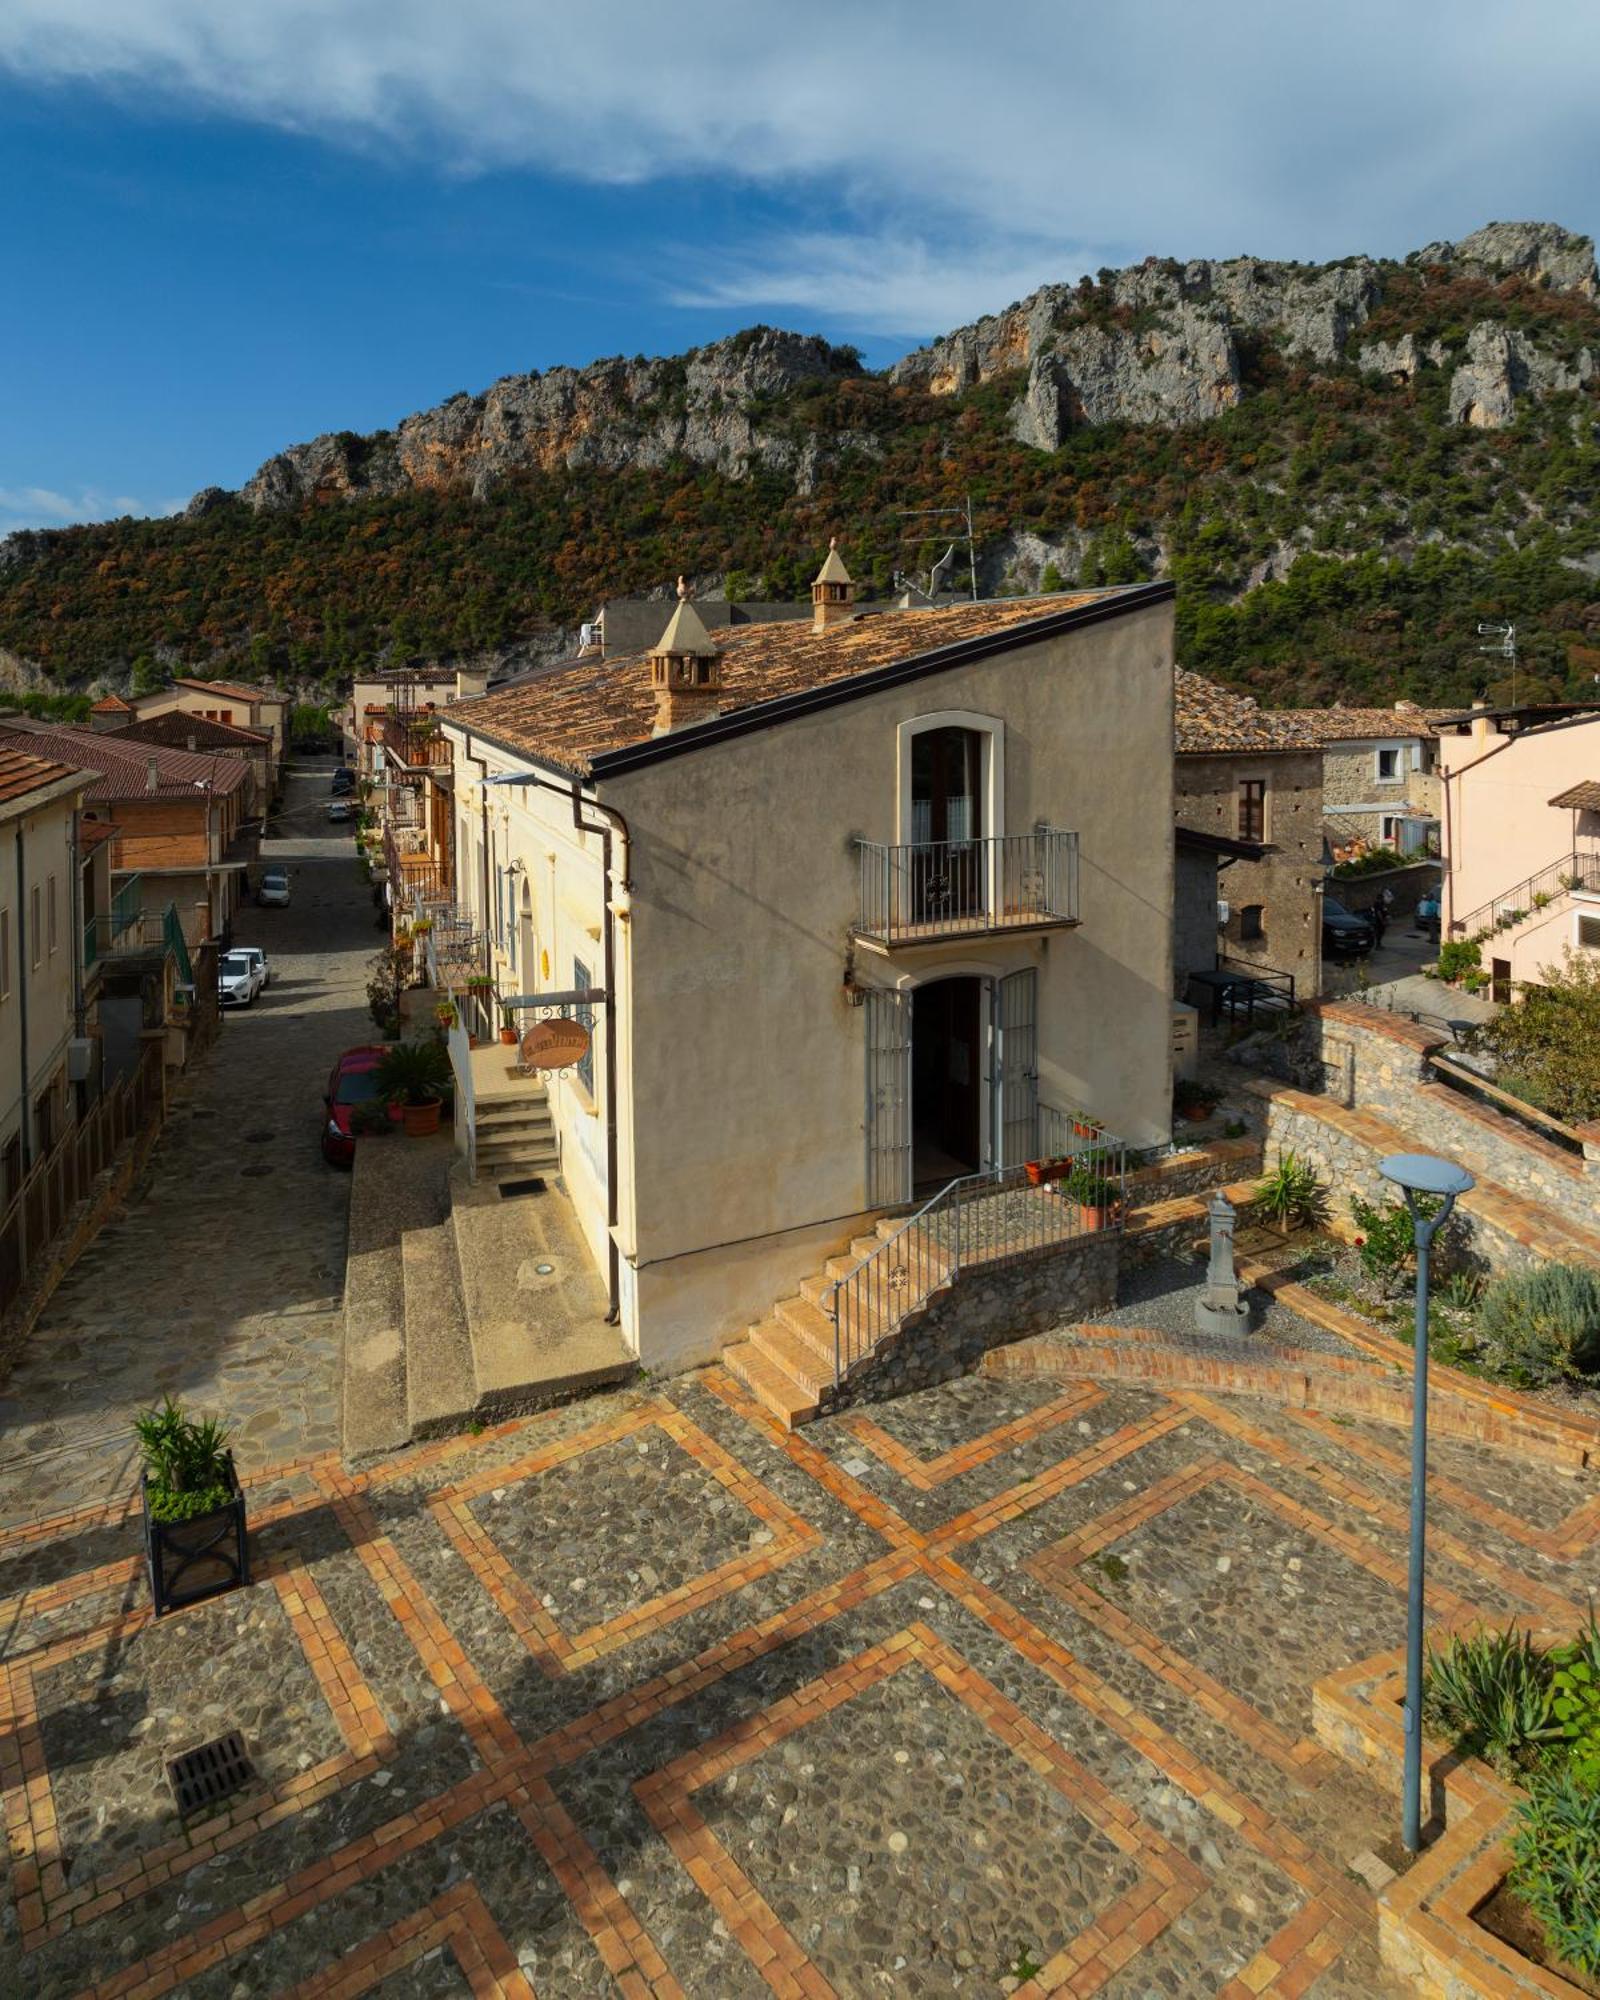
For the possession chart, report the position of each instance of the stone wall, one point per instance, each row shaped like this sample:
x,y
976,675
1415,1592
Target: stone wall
x,y
987,1308
1284,884
1405,885
1208,1166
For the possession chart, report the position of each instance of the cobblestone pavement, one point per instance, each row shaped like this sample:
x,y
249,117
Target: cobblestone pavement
x,y
222,1280
1008,1681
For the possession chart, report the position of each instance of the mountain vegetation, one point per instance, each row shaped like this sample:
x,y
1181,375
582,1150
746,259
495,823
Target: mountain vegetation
x,y
1344,469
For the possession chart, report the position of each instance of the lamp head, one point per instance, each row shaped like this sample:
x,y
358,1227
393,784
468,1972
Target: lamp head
x,y
1422,1173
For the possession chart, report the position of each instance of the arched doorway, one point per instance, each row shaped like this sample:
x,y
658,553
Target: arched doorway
x,y
527,951
947,823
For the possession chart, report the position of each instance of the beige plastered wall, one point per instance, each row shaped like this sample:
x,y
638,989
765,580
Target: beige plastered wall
x,y
743,1121
1498,829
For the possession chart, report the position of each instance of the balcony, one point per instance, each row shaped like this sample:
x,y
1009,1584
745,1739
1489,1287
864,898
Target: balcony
x,y
416,876
121,937
102,934
928,891
414,742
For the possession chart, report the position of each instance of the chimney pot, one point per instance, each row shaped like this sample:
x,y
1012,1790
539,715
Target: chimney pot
x,y
152,776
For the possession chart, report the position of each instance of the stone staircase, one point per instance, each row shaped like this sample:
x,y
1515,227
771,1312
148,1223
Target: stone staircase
x,y
462,1306
515,1134
787,1360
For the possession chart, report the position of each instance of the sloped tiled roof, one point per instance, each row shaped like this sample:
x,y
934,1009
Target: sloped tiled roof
x,y
110,704
230,690
582,711
1584,797
121,770
22,772
175,729
1212,720
1357,725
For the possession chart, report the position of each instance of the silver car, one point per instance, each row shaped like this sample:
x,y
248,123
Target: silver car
x,y
239,979
260,960
274,889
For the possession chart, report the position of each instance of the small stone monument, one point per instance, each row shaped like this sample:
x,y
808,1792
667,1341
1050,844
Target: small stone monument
x,y
1219,1308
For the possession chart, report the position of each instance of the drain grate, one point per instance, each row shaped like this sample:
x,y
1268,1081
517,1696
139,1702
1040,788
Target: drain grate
x,y
200,1778
510,1188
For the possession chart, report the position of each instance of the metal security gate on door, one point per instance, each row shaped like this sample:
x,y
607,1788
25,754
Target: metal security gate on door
x,y
1015,1124
888,1098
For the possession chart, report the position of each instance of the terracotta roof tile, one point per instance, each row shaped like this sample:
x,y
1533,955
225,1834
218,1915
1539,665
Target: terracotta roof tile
x,y
21,772
1357,725
573,715
118,769
1211,718
1584,797
232,690
175,729
110,704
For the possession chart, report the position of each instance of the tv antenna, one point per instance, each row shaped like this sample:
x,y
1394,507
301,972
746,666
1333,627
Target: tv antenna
x,y
1503,641
930,589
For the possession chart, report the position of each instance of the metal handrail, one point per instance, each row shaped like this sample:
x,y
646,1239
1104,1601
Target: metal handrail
x,y
1576,870
953,1230
939,888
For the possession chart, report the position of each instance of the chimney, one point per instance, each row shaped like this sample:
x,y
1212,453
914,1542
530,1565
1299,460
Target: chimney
x,y
189,741
470,683
685,670
832,594
152,776
1480,721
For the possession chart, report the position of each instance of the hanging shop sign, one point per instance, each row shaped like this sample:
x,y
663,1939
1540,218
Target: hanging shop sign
x,y
555,1044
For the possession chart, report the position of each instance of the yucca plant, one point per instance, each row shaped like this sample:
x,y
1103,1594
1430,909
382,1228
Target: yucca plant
x,y
1290,1193
185,1460
1489,1693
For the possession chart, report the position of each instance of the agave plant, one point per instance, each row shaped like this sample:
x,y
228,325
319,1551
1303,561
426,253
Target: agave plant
x,y
1291,1193
1489,1692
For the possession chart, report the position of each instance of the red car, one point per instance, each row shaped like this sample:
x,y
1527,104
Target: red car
x,y
354,1081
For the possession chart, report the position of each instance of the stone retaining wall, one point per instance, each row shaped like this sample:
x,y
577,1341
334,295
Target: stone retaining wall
x,y
1406,885
1209,1166
985,1308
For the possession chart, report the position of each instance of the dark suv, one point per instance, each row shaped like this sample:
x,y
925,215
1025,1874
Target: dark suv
x,y
1344,934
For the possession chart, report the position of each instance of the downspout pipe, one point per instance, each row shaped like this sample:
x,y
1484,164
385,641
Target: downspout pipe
x,y
22,997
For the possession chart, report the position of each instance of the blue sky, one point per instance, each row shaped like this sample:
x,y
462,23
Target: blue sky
x,y
230,228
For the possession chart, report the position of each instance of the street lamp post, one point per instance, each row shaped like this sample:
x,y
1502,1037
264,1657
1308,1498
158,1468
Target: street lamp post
x,y
1420,1175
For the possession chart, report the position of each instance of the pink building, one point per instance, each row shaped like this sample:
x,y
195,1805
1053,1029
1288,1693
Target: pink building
x,y
1520,832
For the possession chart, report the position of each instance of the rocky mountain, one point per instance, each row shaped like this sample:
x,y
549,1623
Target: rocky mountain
x,y
1342,465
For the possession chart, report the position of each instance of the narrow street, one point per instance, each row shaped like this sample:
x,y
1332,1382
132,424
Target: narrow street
x,y
222,1281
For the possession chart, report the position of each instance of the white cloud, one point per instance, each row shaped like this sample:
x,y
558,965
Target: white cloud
x,y
42,507
1008,139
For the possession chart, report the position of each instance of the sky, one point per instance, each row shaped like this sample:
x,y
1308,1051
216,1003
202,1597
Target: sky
x,y
229,227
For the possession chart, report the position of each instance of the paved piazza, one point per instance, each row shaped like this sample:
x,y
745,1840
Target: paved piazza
x,y
1003,1687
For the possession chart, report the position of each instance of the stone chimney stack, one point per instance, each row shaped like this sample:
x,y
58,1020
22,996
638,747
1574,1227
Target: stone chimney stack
x,y
152,776
471,682
833,594
685,669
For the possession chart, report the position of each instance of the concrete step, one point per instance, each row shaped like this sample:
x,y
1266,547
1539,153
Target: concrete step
x,y
516,1113
541,1148
441,1389
769,1384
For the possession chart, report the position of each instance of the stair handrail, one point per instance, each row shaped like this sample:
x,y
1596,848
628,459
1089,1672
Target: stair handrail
x,y
871,1278
1576,869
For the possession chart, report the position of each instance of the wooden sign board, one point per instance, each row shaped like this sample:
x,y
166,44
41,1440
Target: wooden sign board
x,y
557,1044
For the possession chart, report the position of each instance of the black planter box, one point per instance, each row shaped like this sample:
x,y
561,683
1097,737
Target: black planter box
x,y
189,1561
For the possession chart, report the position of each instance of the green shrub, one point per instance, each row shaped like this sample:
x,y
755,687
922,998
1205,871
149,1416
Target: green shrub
x,y
370,1119
1488,1693
1376,861
1387,1242
1540,1325
413,1073
1551,1038
1290,1193
1458,955
1555,1866
1575,1702
185,1462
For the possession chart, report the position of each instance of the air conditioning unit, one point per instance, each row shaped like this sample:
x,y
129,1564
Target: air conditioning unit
x,y
80,1059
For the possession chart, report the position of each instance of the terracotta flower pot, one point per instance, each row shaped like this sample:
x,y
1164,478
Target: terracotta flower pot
x,y
1197,1114
509,1037
421,1119
1041,1172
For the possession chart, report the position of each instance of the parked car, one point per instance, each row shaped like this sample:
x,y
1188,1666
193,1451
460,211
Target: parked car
x,y
254,951
239,979
274,889
354,1081
344,779
340,810
1344,934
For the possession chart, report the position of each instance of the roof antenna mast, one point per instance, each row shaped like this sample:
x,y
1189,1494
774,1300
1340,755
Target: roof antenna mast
x,y
1504,642
941,569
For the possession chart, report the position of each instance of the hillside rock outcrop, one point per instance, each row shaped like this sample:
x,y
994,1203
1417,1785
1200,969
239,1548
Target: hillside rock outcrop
x,y
614,414
1501,366
1179,372
1542,251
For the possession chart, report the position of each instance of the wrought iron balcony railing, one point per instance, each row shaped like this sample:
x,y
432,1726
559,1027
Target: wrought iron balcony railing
x,y
933,889
416,741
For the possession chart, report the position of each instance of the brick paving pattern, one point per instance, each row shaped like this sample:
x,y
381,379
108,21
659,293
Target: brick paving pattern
x,y
1005,1686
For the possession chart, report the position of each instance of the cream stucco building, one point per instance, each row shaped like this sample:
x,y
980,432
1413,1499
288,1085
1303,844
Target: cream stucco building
x,y
851,904
1380,785
1520,828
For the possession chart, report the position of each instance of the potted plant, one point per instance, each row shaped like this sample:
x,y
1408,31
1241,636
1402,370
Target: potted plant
x,y
508,1026
1041,1172
480,983
422,927
1096,1196
1193,1100
413,1075
445,1014
195,1540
